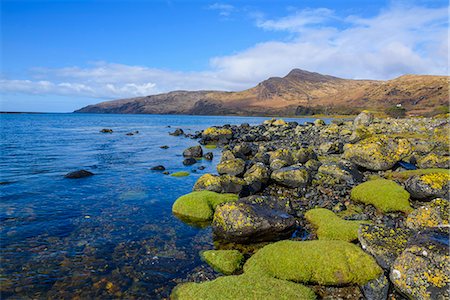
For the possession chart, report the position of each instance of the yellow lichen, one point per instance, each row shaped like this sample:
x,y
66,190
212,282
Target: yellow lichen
x,y
435,180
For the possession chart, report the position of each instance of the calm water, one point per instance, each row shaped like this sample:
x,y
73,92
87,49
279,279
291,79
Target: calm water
x,y
111,235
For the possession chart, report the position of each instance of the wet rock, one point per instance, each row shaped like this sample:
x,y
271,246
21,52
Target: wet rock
x,y
224,261
220,184
234,167
429,186
177,132
201,168
208,156
180,174
78,174
433,214
383,243
378,152
106,130
189,161
365,118
158,168
293,177
132,133
421,271
242,223
195,151
376,289
164,147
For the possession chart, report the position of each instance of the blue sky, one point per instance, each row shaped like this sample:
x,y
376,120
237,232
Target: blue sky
x,y
58,56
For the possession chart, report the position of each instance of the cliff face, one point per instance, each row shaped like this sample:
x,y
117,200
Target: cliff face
x,y
284,95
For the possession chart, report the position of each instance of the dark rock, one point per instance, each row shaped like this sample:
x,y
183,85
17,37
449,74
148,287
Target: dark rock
x,y
376,289
269,202
166,172
158,168
201,168
177,132
164,147
189,161
132,133
78,174
244,223
195,151
342,172
429,186
220,184
106,130
433,214
208,156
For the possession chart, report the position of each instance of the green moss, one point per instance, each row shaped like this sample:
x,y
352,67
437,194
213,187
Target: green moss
x,y
200,206
242,287
180,174
406,174
331,227
211,146
385,195
223,261
321,262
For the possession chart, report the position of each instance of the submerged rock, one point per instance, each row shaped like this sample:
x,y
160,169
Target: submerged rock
x,y
106,130
224,261
241,222
189,161
158,168
180,174
429,186
78,174
208,156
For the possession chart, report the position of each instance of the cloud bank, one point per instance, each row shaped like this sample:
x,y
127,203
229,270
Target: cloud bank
x,y
396,41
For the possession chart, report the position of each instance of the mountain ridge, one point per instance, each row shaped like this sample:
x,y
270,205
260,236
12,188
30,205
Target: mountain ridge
x,y
290,94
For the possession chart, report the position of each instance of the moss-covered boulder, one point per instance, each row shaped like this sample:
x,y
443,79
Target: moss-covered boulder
x,y
328,226
433,214
385,195
383,243
257,172
224,261
365,118
234,167
316,262
433,160
429,186
194,151
422,270
378,152
293,177
302,155
219,184
284,155
199,206
340,172
244,223
180,174
217,134
243,287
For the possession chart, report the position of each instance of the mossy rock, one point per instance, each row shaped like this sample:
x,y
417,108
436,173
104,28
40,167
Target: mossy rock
x,y
180,174
407,174
215,134
429,186
385,195
315,262
434,214
330,227
219,184
211,146
242,287
234,167
224,261
292,177
200,206
433,160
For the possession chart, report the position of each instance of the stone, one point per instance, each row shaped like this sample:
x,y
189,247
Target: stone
x,y
383,243
433,160
292,177
106,130
195,151
164,147
234,167
180,174
189,161
158,168
331,148
243,223
220,184
319,122
177,132
257,173
377,153
269,202
341,172
429,186
376,289
209,156
78,174
433,214
224,261
217,134
365,118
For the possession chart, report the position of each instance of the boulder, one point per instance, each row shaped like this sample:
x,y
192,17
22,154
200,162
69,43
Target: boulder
x,y
78,174
292,177
331,148
177,132
224,261
234,167
429,186
433,214
422,270
257,173
433,160
158,168
269,202
341,172
208,156
377,289
319,122
377,153
243,223
189,161
217,134
195,151
106,130
365,118
219,184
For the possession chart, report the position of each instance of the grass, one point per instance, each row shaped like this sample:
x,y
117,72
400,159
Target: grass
x,y
330,227
224,261
385,195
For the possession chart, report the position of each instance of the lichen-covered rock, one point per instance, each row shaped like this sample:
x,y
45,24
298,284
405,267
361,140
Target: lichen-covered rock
x,y
279,122
328,226
271,202
217,134
422,270
241,222
331,147
243,287
227,155
302,155
199,206
376,289
312,165
429,186
194,151
316,262
219,184
293,177
383,243
281,154
377,153
257,172
277,164
319,122
359,134
224,261
180,174
341,172
433,214
433,160
385,195
234,167
365,118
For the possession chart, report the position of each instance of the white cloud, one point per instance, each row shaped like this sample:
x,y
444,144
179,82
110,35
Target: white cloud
x,y
224,10
399,40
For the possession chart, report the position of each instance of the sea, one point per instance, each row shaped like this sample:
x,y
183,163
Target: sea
x,y
108,236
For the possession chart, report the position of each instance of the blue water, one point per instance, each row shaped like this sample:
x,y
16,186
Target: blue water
x,y
111,235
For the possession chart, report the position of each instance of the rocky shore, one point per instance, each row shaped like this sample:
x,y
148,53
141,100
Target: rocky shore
x,y
354,209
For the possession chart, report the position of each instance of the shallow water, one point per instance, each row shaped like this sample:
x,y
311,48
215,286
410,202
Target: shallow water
x,y
111,235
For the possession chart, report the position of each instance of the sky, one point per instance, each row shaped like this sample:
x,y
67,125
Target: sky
x,y
58,56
